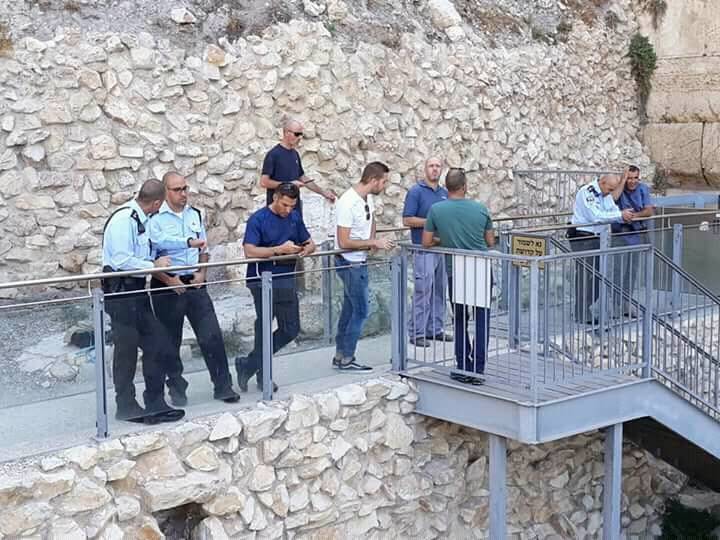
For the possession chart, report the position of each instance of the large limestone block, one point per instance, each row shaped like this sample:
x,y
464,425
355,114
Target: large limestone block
x,y
197,487
711,153
677,147
688,28
685,90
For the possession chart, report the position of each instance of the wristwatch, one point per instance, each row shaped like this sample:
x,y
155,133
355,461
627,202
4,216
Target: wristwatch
x,y
188,241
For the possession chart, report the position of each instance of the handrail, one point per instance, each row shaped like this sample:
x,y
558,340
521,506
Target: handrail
x,y
545,228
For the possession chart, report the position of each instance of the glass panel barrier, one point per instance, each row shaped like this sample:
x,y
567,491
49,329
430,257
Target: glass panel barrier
x,y
47,374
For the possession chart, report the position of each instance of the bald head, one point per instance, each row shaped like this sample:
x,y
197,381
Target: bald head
x,y
433,168
608,182
292,132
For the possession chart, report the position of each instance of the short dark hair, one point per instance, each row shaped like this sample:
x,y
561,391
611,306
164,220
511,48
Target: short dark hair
x,y
373,170
152,190
455,179
634,168
287,189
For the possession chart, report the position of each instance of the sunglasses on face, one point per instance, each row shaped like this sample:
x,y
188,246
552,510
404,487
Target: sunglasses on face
x,y
297,133
183,189
367,212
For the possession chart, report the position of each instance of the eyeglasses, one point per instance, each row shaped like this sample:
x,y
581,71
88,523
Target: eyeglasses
x,y
367,212
183,189
297,133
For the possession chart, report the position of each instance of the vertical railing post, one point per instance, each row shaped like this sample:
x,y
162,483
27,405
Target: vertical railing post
x,y
327,295
267,341
648,314
398,327
534,323
604,274
101,409
514,305
675,286
504,241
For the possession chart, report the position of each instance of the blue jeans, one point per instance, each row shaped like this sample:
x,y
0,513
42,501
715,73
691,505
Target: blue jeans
x,y
355,308
469,357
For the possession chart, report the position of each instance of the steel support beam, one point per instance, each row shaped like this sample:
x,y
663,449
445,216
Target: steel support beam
x,y
612,490
498,486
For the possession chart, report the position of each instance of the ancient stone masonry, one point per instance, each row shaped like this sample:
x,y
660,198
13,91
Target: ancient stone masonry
x,y
86,116
356,462
683,133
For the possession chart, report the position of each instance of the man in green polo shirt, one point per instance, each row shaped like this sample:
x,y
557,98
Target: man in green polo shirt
x,y
462,223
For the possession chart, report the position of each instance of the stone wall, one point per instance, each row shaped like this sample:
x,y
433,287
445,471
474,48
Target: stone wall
x,y
87,115
683,133
356,462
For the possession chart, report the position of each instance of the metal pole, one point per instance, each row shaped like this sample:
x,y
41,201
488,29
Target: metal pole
x,y
327,297
604,245
514,306
612,490
534,322
101,415
498,486
397,313
648,314
675,286
504,241
267,341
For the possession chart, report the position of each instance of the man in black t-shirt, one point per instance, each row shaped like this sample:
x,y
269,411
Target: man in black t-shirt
x,y
282,164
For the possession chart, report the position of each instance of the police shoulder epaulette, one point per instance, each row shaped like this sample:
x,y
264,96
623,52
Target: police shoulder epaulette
x,y
198,213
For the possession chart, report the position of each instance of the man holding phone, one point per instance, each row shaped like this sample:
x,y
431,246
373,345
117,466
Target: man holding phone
x,y
282,165
274,231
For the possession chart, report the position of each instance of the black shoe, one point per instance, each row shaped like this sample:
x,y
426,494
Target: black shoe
x,y
158,411
131,412
352,366
467,379
421,341
259,383
442,336
226,394
177,397
243,374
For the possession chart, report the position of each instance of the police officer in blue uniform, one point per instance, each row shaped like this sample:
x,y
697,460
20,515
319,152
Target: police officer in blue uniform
x,y
177,231
594,204
127,246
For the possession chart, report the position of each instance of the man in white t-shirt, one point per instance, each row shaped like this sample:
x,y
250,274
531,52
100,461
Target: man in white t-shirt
x,y
356,230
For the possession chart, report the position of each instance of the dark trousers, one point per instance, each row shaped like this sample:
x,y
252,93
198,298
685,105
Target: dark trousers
x,y
134,325
197,306
469,356
587,277
286,311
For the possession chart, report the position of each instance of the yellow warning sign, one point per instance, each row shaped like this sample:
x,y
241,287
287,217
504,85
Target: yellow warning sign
x,y
528,246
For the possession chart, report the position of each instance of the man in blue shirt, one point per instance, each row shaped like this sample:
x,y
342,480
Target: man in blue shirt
x,y
282,165
428,308
274,231
594,206
127,246
631,194
178,231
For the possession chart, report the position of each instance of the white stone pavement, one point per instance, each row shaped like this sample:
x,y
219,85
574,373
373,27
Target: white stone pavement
x,y
34,428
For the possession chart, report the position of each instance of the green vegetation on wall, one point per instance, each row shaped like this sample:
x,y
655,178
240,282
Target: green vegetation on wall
x,y
643,61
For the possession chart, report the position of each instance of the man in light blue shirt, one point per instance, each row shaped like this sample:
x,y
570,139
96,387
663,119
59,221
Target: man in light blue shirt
x,y
428,308
594,206
178,232
127,246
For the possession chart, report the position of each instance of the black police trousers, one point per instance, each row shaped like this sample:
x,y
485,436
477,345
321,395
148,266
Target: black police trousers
x,y
134,325
286,310
195,304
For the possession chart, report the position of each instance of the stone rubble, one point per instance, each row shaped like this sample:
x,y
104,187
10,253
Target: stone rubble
x,y
411,477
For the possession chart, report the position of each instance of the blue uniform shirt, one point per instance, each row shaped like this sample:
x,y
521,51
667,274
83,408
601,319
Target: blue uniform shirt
x,y
266,229
418,201
282,165
591,206
636,200
169,233
125,247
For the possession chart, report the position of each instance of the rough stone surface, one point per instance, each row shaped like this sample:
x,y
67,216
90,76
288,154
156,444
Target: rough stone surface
x,y
405,477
